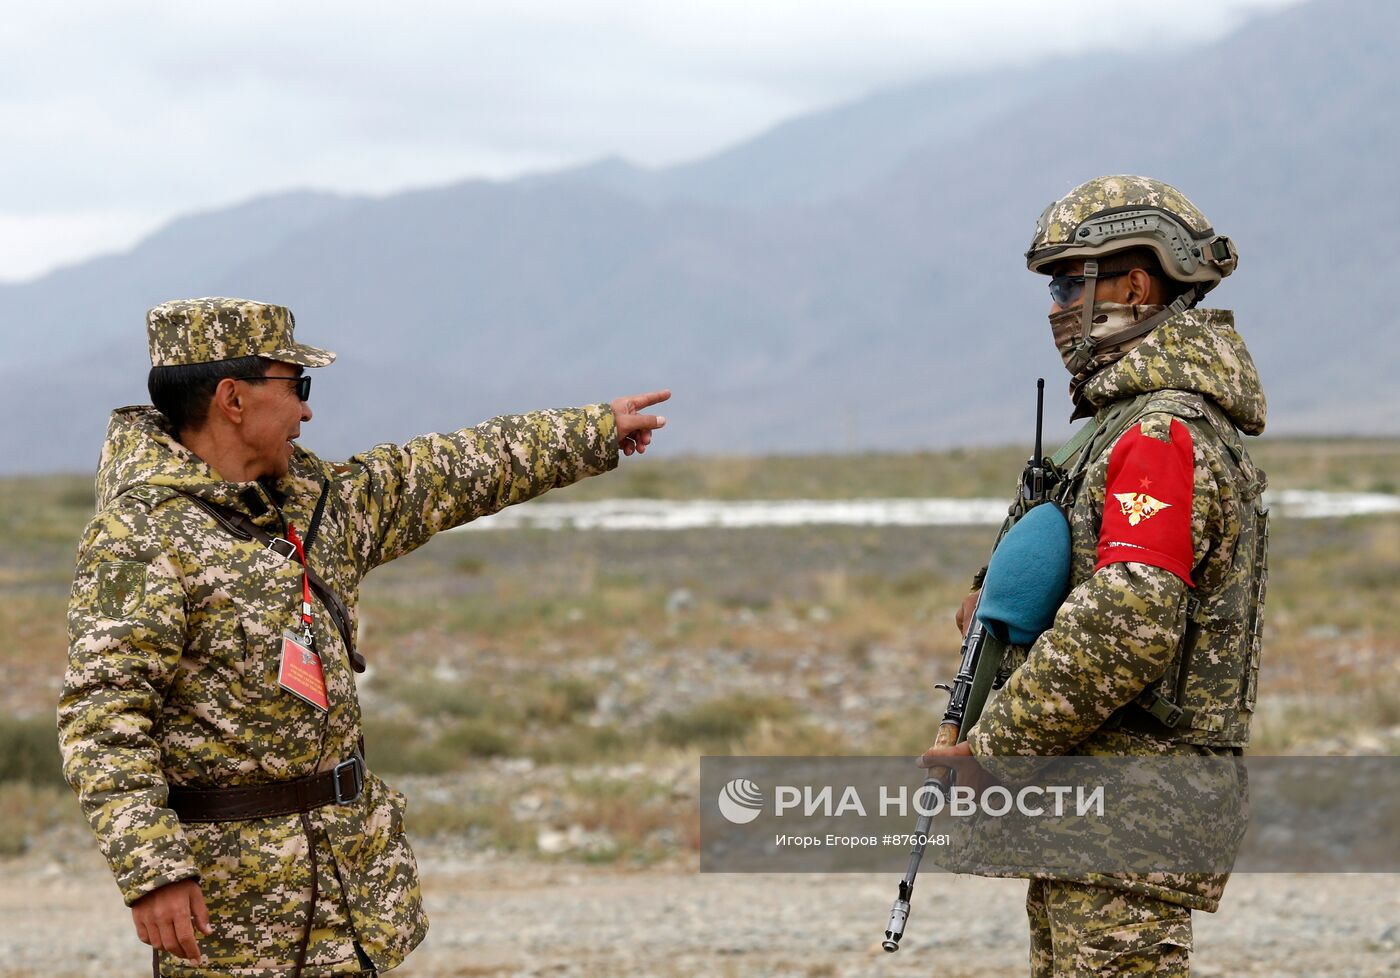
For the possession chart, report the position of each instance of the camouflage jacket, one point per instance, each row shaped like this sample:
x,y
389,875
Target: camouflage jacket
x,y
1148,569
172,677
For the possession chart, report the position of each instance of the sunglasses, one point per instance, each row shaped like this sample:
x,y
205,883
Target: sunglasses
x,y
1064,289
303,383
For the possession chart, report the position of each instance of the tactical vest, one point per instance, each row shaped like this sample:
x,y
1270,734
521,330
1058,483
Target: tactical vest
x,y
1207,694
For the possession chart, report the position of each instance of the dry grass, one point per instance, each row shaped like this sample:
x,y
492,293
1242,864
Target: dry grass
x,y
485,825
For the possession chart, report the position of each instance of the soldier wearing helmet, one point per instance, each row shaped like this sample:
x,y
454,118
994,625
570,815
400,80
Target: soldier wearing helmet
x,y
209,719
1156,649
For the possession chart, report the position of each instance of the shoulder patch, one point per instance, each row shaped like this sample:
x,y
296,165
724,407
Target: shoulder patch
x,y
1147,501
1183,404
148,497
121,585
1157,426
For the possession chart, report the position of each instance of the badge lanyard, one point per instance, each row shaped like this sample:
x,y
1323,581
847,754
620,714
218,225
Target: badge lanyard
x,y
295,541
300,672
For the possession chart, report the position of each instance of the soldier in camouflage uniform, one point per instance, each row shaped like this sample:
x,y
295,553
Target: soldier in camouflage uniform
x,y
1156,649
224,779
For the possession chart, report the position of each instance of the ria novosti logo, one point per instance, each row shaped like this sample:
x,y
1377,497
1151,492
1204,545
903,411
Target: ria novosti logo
x,y
740,801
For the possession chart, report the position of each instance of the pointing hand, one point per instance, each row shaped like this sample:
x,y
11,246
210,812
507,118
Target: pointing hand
x,y
633,429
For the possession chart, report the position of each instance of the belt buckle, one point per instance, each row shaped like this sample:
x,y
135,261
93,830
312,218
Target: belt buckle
x,y
359,779
277,543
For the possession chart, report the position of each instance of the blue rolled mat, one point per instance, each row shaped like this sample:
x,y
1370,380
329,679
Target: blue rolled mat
x,y
1027,577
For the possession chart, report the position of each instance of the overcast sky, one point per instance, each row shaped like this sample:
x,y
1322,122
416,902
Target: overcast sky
x,y
121,116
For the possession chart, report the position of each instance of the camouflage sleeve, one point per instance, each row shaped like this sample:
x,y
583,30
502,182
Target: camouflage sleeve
x,y
1115,633
126,628
400,495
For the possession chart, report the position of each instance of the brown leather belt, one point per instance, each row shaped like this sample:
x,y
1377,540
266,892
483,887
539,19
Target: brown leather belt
x,y
338,786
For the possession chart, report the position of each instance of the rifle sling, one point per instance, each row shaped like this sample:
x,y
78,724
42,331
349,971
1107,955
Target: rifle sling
x,y
242,526
1070,448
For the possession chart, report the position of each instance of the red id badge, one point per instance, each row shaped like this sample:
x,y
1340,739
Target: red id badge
x,y
300,673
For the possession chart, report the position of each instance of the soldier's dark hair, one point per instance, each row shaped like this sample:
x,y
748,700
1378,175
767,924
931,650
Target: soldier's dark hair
x,y
182,393
1146,259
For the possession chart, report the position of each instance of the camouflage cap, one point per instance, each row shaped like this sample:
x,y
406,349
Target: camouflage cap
x,y
184,331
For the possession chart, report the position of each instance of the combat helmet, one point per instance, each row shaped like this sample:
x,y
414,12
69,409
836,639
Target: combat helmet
x,y
1114,213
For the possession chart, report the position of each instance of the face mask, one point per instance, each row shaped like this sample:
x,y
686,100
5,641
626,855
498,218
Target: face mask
x,y
1109,318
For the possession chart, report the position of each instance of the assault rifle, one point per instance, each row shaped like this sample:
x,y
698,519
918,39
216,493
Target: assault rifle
x,y
977,673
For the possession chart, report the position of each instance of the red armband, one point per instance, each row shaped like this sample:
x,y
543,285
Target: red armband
x,y
1147,502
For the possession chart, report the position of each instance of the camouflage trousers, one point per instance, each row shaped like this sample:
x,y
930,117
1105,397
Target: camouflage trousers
x,y
1090,931
366,966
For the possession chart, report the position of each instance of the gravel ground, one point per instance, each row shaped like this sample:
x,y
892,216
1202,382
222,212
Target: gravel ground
x,y
494,916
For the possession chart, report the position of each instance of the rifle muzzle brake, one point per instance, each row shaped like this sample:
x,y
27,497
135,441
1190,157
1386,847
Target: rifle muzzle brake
x,y
894,930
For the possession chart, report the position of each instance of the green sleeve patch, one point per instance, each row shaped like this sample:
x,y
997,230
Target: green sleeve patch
x,y
121,584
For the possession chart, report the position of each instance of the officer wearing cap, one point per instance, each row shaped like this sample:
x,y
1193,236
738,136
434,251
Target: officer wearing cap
x,y
1156,649
208,720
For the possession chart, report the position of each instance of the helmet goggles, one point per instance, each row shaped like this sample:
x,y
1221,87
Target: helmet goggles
x,y
1064,289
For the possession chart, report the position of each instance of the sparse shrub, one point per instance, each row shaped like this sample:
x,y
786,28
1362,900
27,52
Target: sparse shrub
x,y
577,744
858,649
914,583
486,825
771,738
642,482
14,837
903,732
721,721
401,747
29,750
629,811
428,697
80,497
28,809
477,737
560,700
469,565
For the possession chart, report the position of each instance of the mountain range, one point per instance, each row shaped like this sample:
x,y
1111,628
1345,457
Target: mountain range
x,y
850,280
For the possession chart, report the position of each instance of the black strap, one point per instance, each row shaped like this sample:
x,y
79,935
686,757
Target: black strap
x,y
316,515
310,903
242,526
1157,717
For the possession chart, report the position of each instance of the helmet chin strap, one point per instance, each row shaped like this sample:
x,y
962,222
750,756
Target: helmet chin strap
x,y
1086,345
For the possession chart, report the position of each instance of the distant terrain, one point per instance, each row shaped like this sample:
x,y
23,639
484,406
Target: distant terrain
x,y
849,281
